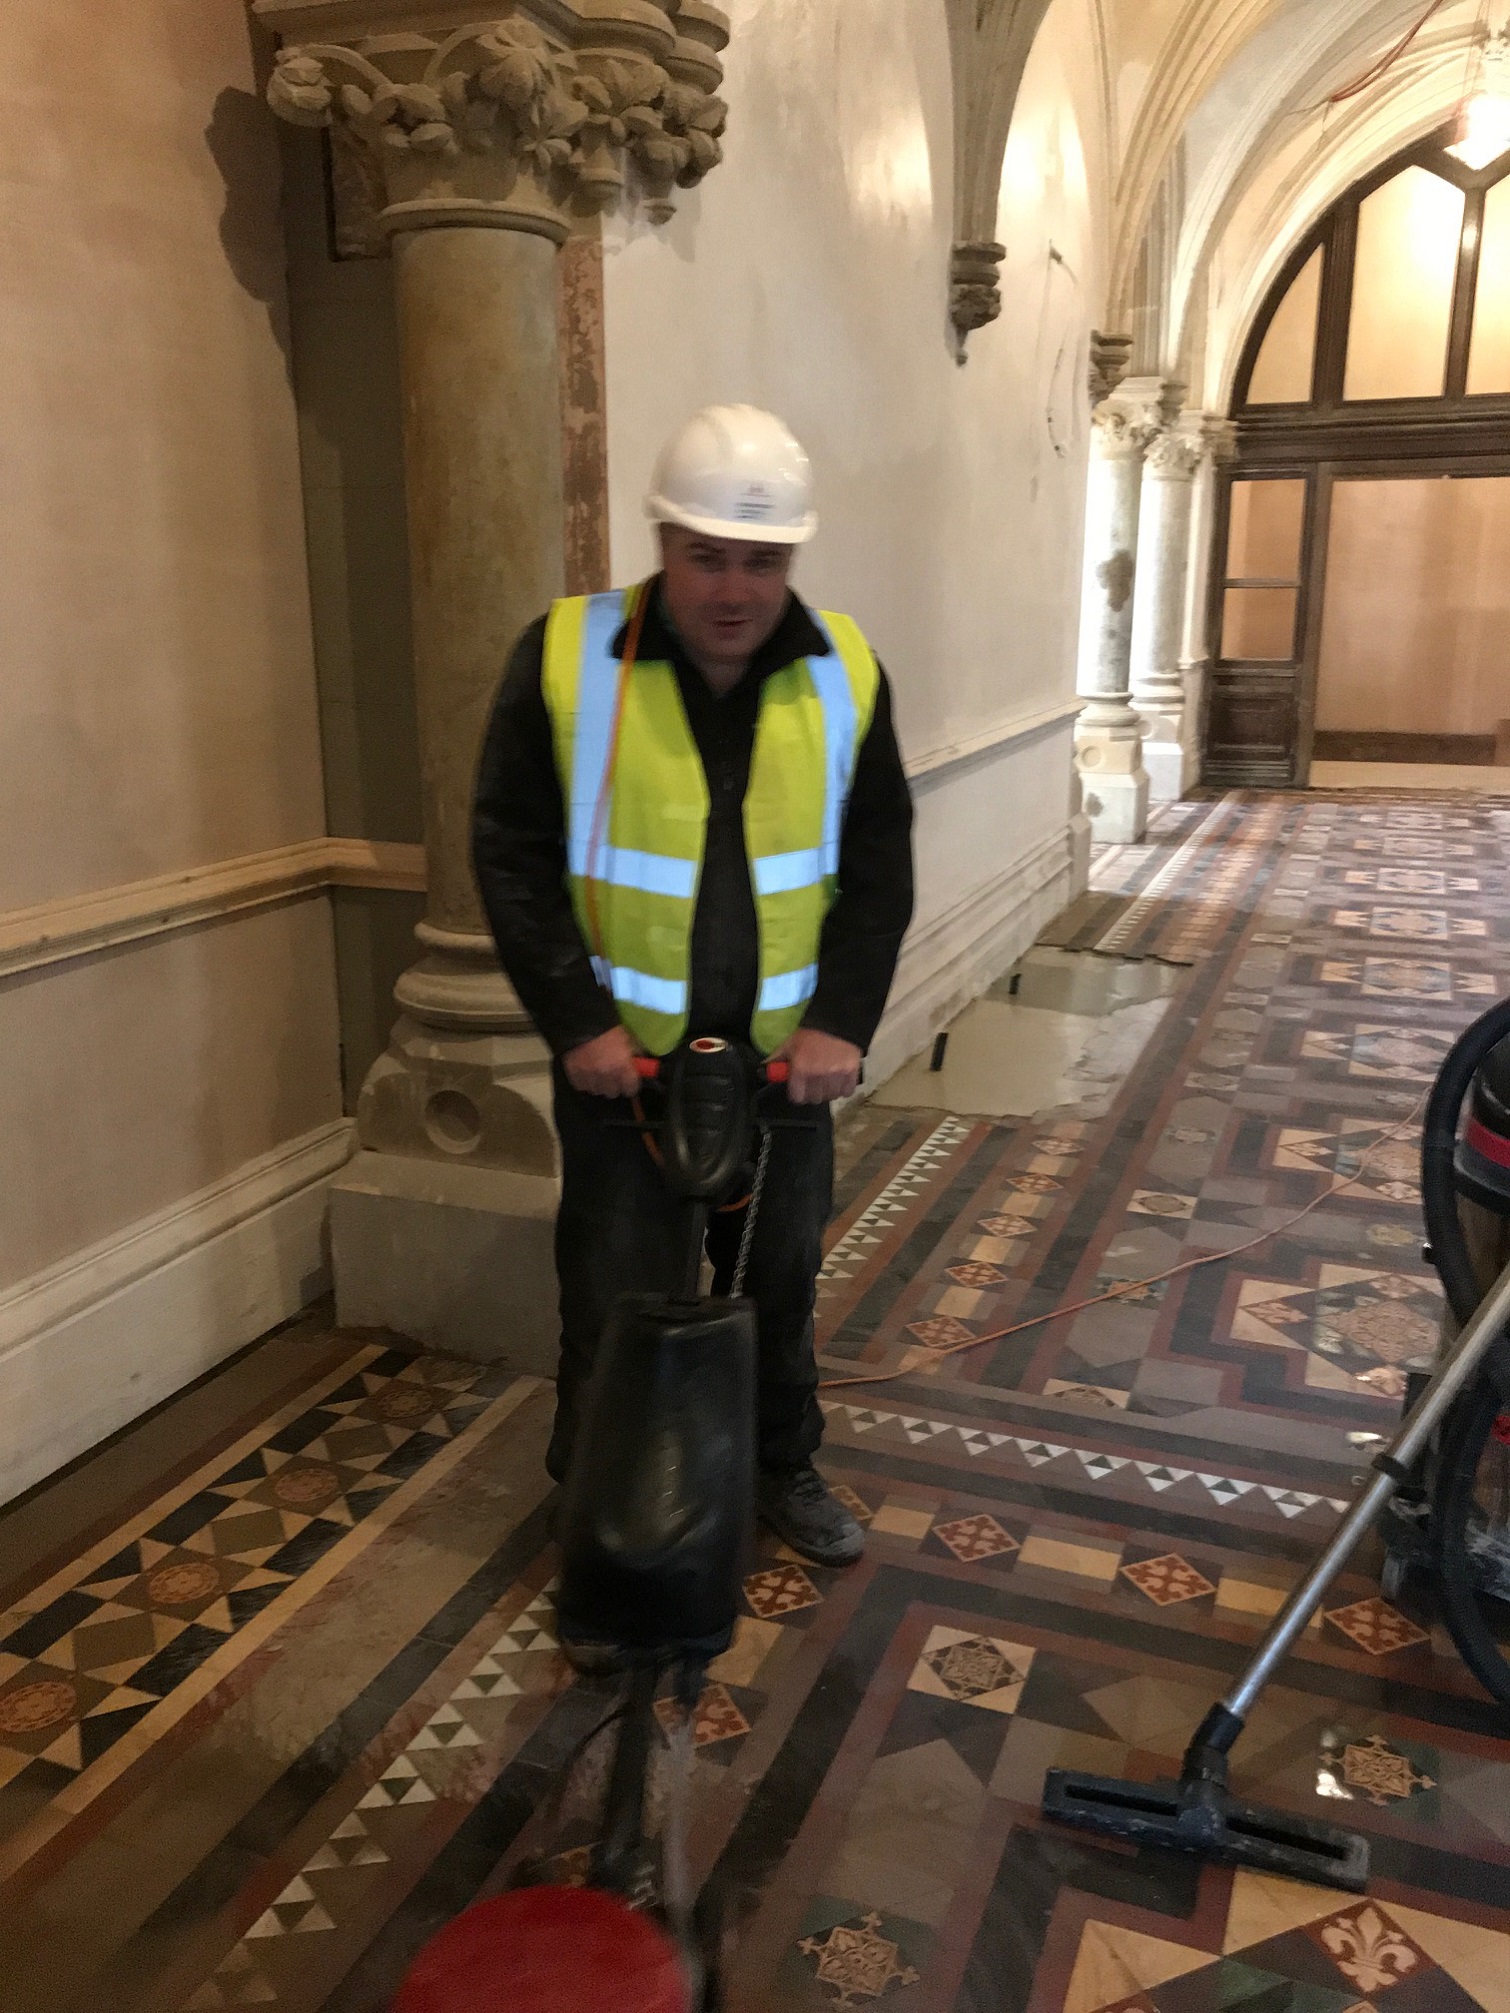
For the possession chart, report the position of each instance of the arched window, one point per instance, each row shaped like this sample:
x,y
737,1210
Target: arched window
x,y
1378,366
1402,293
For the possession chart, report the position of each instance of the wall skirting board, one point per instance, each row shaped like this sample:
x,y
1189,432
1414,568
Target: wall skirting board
x,y
52,932
955,955
98,1339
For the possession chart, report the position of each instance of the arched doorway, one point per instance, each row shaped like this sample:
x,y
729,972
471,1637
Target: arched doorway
x,y
1361,591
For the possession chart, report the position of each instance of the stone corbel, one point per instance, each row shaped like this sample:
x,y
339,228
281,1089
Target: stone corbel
x,y
989,45
1110,356
514,120
974,285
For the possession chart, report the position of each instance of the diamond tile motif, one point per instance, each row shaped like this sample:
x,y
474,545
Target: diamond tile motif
x,y
1104,1396
857,1506
1371,1768
972,1669
780,1590
977,1274
1157,1202
1376,1627
979,1537
1167,1580
855,1964
1005,1226
940,1331
718,1718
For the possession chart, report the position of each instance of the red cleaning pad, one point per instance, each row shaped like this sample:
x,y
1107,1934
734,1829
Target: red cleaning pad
x,y
547,1950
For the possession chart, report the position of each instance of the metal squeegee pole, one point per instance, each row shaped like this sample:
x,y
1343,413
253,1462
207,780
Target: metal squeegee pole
x,y
1393,1464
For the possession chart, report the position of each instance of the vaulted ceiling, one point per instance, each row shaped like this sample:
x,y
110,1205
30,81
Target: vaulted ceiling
x,y
1228,148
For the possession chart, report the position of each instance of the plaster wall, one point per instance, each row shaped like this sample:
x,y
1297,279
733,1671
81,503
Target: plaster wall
x,y
809,275
157,704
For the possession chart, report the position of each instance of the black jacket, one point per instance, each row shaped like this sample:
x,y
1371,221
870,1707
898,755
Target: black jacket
x,y
519,851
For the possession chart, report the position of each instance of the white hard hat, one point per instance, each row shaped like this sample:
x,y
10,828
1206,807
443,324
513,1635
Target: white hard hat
x,y
734,471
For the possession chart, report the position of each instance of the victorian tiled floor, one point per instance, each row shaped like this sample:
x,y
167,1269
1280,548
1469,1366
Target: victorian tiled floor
x,y
294,1698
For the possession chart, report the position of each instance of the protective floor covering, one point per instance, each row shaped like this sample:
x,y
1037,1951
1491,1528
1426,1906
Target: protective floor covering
x,y
275,1720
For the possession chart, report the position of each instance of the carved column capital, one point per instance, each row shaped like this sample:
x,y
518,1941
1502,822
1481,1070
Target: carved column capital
x,y
1174,456
507,121
1119,431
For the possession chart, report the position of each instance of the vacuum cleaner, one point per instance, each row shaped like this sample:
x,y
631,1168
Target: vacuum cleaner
x,y
656,1533
1433,1458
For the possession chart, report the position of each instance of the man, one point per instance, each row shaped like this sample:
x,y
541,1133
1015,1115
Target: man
x,y
692,819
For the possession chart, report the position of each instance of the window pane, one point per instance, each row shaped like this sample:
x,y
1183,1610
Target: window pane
x,y
1416,607
1282,374
1408,234
1489,356
1259,624
1265,526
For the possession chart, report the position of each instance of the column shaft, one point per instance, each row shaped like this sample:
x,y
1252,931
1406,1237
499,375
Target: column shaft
x,y
1158,686
1108,737
482,458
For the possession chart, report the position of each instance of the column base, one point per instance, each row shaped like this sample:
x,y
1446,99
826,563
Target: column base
x,y
1171,767
459,1259
1117,806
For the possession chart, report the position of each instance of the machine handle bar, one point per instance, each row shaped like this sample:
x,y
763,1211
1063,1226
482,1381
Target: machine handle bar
x,y
648,1069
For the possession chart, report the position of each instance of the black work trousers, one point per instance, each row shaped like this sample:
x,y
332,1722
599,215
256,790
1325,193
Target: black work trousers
x,y
619,1231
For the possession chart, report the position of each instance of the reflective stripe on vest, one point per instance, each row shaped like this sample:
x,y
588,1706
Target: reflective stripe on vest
x,y
635,837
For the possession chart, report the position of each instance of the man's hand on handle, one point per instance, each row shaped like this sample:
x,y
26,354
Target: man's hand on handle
x,y
604,1066
822,1067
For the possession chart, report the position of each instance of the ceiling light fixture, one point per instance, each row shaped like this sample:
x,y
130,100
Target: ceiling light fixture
x,y
1486,119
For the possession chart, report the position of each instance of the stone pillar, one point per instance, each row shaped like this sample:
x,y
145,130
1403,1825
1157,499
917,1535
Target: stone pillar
x,y
1219,438
1108,738
486,139
1158,685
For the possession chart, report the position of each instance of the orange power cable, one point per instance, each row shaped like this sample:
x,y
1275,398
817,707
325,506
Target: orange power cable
x,y
1136,1285
1384,64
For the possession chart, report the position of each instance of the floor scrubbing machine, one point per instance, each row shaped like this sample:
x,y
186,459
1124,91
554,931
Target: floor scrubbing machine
x,y
1440,1494
656,1531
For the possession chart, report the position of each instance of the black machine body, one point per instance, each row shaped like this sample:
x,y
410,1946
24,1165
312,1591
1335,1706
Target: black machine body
x,y
657,1522
656,1527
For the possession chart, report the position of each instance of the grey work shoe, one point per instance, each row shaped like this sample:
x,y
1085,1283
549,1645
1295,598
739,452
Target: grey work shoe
x,y
799,1507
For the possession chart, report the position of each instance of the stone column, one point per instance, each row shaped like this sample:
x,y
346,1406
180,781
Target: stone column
x,y
1219,439
486,139
1108,737
1158,685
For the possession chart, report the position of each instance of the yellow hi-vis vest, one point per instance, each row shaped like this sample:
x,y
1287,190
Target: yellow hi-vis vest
x,y
646,823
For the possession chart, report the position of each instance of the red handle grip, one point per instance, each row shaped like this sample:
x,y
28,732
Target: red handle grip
x,y
648,1068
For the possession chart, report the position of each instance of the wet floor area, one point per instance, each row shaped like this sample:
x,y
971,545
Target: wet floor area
x,y
1060,1032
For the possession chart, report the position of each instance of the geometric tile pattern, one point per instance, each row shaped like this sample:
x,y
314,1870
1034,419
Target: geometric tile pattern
x,y
855,1964
972,1669
897,1199
1077,1533
1168,1580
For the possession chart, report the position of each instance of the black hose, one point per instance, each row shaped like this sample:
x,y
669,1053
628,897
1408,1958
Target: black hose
x,y
1439,1138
